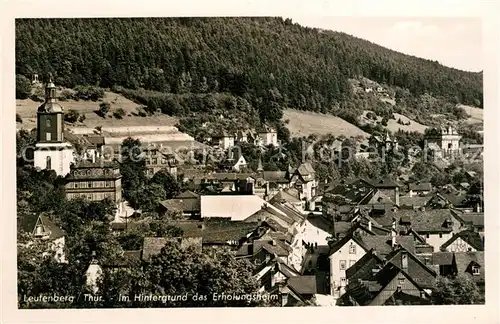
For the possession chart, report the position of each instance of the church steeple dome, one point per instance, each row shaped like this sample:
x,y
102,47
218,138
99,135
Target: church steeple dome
x,y
50,105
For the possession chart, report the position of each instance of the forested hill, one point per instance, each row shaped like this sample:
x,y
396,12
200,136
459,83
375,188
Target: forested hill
x,y
306,68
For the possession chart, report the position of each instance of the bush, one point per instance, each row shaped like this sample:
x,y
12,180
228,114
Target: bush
x,y
71,116
23,87
385,120
82,118
89,93
119,113
19,119
65,95
104,108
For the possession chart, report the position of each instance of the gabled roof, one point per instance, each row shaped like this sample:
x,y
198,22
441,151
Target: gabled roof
x,y
283,195
470,237
422,221
420,186
465,260
362,269
187,194
220,232
417,270
49,229
181,204
234,207
415,201
303,285
272,216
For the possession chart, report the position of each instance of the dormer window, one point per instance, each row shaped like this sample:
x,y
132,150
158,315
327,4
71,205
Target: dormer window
x,y
475,270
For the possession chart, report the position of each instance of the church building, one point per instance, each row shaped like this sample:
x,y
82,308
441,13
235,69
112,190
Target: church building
x,y
52,152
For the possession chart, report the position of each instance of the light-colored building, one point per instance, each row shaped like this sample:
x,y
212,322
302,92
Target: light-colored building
x,y
267,136
444,142
52,152
94,181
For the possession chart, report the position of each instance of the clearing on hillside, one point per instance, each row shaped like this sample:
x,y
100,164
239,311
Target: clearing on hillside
x,y
27,110
305,123
476,114
393,125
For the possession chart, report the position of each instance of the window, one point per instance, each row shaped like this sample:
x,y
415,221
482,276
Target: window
x,y
427,235
48,122
352,249
89,184
48,136
342,281
342,264
48,163
401,281
475,270
440,235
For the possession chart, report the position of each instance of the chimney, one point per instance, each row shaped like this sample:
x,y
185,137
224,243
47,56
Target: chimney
x,y
393,238
396,196
369,225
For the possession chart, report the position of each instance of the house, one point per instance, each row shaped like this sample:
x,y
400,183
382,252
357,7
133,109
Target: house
x,y
444,262
419,188
290,196
347,251
273,272
267,136
435,226
472,221
45,229
187,203
464,241
158,158
94,181
390,285
298,290
235,161
472,264
223,140
443,143
381,144
388,188
304,180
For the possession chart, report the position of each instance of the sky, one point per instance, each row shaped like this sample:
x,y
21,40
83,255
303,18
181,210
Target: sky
x,y
452,41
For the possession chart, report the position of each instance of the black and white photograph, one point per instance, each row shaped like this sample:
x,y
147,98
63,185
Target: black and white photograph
x,y
250,161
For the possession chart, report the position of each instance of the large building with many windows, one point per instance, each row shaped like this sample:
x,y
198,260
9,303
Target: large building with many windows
x,y
94,181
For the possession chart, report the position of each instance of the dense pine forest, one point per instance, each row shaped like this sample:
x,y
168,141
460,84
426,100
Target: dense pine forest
x,y
270,62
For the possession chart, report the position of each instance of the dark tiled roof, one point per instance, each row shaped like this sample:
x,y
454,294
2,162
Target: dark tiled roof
x,y
187,194
358,191
417,270
476,219
442,258
183,205
417,201
303,285
465,260
385,183
362,269
420,186
53,231
472,238
219,231
422,221
283,195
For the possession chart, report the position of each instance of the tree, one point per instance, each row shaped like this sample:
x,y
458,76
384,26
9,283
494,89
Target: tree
x,y
458,290
23,87
119,113
168,182
104,108
71,116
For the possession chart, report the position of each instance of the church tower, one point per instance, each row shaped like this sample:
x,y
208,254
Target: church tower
x,y
51,152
